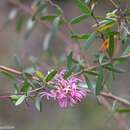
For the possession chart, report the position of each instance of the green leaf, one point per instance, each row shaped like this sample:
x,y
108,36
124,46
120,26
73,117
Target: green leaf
x,y
26,86
111,45
51,74
105,27
9,75
20,100
56,24
114,106
79,19
14,98
127,10
115,69
123,110
127,51
17,88
83,85
101,57
29,71
40,8
122,58
90,39
69,72
18,62
69,61
99,82
87,1
59,10
38,104
20,22
91,72
83,7
80,36
48,17
88,82
109,80
70,65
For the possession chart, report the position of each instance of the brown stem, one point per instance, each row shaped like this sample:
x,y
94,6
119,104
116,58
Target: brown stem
x,y
94,67
114,4
13,71
119,99
104,94
4,97
121,121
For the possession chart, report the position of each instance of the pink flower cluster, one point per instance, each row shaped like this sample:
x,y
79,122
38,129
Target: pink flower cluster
x,y
66,92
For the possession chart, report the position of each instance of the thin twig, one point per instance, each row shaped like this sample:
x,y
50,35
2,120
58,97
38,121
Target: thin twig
x,y
114,3
121,121
94,67
101,34
95,19
13,71
108,95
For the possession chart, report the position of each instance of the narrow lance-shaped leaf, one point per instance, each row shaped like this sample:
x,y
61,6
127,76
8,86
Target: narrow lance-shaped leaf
x,y
9,75
69,72
17,88
83,7
20,22
79,19
69,61
80,36
48,17
51,74
18,62
101,57
111,45
91,72
70,65
38,104
56,24
88,82
99,82
87,1
39,9
29,71
25,86
114,106
105,27
123,110
20,100
90,39
59,10
127,51
115,69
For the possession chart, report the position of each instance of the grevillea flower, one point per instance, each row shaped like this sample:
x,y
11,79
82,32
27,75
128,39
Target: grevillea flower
x,y
66,92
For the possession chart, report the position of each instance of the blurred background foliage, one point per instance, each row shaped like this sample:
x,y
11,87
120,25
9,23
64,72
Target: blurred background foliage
x,y
89,115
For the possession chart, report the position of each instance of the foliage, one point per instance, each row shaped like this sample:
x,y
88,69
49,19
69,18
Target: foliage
x,y
110,31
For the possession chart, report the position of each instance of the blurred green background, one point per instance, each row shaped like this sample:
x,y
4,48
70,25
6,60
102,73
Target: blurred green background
x,y
88,115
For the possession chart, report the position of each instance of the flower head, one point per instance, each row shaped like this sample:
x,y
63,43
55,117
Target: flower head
x,y
66,92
